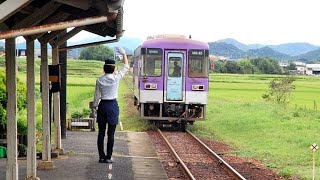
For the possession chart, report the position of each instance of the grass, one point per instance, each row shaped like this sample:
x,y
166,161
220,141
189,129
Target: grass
x,y
278,135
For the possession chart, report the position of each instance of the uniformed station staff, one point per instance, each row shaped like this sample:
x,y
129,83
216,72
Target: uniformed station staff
x,y
105,99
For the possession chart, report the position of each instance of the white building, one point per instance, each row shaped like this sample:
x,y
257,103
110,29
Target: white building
x,y
313,69
300,67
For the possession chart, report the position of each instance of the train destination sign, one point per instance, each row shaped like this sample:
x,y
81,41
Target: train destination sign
x,y
154,51
196,52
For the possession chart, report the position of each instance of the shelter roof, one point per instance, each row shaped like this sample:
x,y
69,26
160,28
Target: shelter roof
x,y
27,14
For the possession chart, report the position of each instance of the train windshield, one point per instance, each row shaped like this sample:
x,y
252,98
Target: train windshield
x,y
197,64
152,62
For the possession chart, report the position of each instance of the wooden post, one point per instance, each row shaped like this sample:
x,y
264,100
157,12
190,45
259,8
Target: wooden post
x,y
11,75
56,107
314,147
63,91
46,162
31,152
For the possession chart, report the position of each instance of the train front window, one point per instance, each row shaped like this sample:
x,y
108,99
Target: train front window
x,y
197,64
175,67
152,62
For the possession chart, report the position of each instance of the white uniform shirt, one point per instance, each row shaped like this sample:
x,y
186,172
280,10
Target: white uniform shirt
x,y
107,86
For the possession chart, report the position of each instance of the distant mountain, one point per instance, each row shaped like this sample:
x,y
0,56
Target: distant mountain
x,y
310,56
225,49
234,42
243,47
266,52
294,49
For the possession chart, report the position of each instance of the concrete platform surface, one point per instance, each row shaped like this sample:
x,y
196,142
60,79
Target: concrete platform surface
x,y
134,155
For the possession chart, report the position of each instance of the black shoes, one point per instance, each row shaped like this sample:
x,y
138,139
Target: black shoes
x,y
106,160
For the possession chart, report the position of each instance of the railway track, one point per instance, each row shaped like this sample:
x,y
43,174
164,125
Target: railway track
x,y
196,159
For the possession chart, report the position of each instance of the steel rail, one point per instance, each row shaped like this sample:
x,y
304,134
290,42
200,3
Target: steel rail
x,y
184,167
230,169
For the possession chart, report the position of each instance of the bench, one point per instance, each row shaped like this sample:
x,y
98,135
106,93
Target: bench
x,y
81,123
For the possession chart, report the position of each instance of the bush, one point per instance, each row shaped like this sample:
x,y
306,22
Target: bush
x,y
76,114
21,103
280,90
84,114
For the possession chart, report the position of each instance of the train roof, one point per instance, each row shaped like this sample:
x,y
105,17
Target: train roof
x,y
171,42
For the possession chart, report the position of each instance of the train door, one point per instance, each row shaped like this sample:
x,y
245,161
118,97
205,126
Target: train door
x,y
174,75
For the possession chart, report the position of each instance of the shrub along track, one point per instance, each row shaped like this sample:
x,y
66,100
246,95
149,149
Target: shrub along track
x,y
248,168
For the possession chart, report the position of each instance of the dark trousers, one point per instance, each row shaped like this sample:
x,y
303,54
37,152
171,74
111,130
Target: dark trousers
x,y
102,132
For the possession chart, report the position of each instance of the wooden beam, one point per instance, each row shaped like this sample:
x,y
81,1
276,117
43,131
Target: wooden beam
x,y
38,15
82,4
3,27
31,151
11,75
67,36
49,36
9,7
53,27
56,18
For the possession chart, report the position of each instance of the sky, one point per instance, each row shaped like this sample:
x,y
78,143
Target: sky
x,y
268,22
248,21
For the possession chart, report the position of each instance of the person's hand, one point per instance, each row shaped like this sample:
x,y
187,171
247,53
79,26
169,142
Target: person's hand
x,y
120,50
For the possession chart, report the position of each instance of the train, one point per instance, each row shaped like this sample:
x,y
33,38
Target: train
x,y
171,80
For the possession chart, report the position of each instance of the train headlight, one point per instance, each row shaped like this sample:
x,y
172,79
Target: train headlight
x,y
150,86
197,87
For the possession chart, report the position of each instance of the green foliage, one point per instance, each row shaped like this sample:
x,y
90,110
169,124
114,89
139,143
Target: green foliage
x,y
76,114
219,67
292,66
280,89
267,65
86,112
233,67
249,66
100,52
21,103
22,150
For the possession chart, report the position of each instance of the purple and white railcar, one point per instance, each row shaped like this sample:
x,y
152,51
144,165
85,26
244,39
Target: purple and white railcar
x,y
171,79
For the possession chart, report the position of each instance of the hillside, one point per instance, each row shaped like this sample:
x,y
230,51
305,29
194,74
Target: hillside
x,y
290,51
225,49
310,56
266,52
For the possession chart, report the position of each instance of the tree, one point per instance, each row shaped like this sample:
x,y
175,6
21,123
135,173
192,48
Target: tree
x,y
292,66
280,90
247,67
1,49
233,67
100,52
267,65
219,67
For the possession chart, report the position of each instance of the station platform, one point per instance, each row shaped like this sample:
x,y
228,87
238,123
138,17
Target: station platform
x,y
134,155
